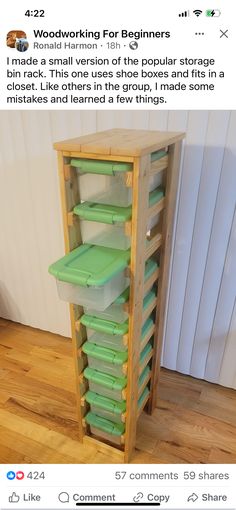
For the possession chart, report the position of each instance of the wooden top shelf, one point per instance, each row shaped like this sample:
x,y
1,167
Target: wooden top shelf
x,y
125,142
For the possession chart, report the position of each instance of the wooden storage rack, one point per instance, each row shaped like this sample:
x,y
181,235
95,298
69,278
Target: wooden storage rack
x,y
133,146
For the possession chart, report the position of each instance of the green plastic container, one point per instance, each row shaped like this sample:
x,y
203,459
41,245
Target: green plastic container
x,y
106,385
106,360
103,182
107,429
104,225
158,155
109,408
110,361
104,428
101,167
115,312
109,385
115,342
91,276
103,326
111,327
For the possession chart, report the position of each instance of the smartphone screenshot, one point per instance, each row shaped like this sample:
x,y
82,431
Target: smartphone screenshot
x,y
117,255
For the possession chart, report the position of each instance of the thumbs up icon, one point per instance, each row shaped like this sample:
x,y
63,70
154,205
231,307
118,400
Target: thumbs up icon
x,y
14,498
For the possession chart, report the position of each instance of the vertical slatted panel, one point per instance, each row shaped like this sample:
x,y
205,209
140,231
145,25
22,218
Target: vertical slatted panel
x,y
200,334
222,223
223,313
192,162
209,182
228,366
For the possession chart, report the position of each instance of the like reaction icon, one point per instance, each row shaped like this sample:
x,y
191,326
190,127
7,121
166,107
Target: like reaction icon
x,y
14,498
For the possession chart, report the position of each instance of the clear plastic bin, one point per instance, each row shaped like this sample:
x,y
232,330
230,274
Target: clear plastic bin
x,y
106,360
116,418
111,409
115,342
114,312
113,236
110,430
91,276
115,394
105,225
105,429
106,385
106,367
104,182
99,297
105,435
110,341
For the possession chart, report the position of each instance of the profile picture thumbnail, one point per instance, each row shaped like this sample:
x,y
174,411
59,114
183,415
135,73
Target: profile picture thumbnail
x,y
17,39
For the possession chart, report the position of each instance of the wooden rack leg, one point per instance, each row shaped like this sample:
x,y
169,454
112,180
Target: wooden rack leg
x,y
137,266
72,239
167,233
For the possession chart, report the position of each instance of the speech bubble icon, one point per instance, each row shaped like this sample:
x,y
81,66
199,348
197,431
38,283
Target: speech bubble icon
x,y
64,497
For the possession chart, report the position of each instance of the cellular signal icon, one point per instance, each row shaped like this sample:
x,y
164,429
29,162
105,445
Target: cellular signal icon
x,y
184,14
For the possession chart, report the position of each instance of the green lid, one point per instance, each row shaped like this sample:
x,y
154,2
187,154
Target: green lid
x,y
110,327
115,429
147,349
111,214
101,167
109,381
143,397
104,353
109,404
155,196
144,375
123,298
90,265
150,266
111,355
149,298
104,213
158,155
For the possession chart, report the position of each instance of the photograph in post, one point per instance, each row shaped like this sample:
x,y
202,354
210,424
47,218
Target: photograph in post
x,y
129,218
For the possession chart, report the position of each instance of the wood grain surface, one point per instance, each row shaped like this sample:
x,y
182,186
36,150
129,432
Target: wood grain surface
x,y
194,422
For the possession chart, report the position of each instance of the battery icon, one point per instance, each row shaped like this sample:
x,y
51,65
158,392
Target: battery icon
x,y
213,13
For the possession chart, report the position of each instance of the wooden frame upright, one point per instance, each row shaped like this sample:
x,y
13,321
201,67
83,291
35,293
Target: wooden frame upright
x,y
135,147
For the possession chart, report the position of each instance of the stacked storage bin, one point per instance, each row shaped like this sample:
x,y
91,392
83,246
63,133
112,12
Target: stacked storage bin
x,y
95,276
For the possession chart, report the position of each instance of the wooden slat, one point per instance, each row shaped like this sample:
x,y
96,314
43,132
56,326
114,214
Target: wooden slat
x,y
119,142
144,384
142,367
151,280
143,405
158,166
137,264
168,223
74,144
155,209
75,311
111,452
147,337
104,157
149,310
153,245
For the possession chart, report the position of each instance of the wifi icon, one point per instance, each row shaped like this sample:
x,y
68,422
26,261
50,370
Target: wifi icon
x,y
197,12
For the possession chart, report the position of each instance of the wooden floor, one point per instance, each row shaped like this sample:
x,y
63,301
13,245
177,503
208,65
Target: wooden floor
x,y
195,422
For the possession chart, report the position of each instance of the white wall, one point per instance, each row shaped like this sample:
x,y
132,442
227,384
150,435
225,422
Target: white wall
x,y
201,319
